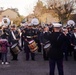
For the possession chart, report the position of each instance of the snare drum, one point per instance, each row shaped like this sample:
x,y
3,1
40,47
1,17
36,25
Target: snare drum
x,y
33,46
15,48
47,46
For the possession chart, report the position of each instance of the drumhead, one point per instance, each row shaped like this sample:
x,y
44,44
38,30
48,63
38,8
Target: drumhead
x,y
14,45
31,41
47,45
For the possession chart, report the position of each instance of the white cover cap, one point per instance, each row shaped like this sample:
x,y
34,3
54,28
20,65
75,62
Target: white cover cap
x,y
30,24
26,23
57,24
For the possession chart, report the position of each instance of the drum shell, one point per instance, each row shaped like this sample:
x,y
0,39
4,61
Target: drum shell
x,y
33,46
15,49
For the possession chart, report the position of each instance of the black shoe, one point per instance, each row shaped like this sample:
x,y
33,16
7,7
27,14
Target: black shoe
x,y
16,59
33,59
45,59
74,59
12,59
66,59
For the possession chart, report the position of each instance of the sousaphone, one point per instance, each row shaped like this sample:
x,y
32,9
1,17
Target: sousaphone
x,y
6,21
35,21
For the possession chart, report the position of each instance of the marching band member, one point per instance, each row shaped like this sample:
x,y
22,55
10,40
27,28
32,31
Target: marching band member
x,y
22,36
44,37
70,37
66,44
28,36
14,37
23,29
74,44
36,37
56,53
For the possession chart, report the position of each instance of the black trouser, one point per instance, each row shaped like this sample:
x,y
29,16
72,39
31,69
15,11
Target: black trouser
x,y
28,56
75,55
0,55
39,46
45,57
22,42
71,48
15,56
27,51
59,63
66,54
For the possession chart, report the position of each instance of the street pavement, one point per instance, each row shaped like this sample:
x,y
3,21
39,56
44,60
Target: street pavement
x,y
37,67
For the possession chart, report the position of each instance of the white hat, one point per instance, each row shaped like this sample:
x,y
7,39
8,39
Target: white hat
x,y
57,24
26,23
64,29
29,24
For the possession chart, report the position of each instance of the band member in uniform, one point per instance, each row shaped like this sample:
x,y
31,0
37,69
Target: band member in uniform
x,y
74,43
22,38
44,37
56,52
23,28
23,42
36,37
70,37
14,37
28,36
66,44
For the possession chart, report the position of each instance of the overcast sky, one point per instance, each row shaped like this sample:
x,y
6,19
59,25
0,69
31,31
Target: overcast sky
x,y
24,6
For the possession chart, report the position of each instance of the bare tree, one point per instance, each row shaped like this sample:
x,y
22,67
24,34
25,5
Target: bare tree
x,y
62,8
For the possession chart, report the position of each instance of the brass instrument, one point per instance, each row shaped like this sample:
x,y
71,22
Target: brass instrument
x,y
6,21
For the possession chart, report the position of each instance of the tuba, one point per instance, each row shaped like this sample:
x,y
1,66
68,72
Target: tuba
x,y
35,21
6,21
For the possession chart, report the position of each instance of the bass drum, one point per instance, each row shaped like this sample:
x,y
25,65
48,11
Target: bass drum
x,y
33,46
15,48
